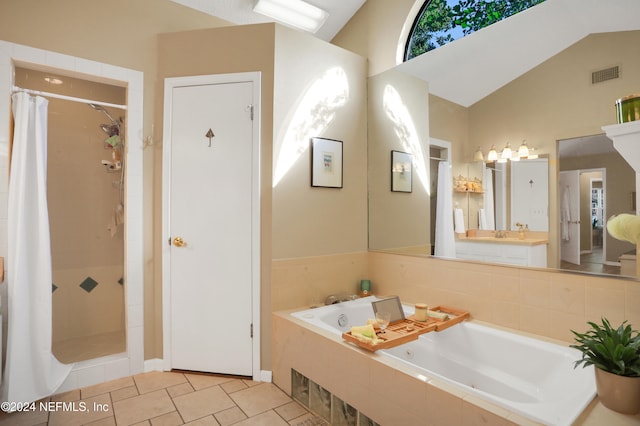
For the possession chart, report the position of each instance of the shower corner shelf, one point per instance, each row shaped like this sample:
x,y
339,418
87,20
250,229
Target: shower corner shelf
x,y
409,329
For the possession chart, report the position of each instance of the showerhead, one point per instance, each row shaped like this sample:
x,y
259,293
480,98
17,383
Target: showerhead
x,y
103,110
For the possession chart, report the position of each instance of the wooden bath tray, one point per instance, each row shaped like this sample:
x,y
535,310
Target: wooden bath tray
x,y
409,329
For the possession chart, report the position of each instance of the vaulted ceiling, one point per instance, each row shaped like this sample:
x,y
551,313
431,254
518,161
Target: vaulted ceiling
x,y
241,12
474,66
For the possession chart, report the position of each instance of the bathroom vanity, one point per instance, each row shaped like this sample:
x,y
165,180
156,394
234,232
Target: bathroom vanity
x,y
511,250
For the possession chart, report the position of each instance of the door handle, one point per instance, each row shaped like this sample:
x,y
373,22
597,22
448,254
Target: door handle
x,y
179,242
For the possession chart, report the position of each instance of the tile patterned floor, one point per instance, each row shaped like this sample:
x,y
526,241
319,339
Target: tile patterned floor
x,y
169,399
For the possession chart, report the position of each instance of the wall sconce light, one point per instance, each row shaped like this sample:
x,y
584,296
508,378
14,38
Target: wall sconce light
x,y
295,13
493,154
523,151
506,152
477,156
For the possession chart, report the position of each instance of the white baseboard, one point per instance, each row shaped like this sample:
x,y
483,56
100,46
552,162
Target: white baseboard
x,y
266,376
155,364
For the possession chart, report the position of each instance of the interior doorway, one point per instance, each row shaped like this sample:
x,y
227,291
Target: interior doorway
x,y
211,215
602,183
110,367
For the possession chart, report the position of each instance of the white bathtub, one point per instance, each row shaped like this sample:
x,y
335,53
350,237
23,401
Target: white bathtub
x,y
531,377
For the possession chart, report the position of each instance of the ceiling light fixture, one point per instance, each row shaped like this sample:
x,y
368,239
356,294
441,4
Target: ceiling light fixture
x,y
295,13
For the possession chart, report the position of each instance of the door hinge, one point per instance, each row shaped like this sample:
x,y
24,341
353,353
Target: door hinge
x,y
251,111
251,330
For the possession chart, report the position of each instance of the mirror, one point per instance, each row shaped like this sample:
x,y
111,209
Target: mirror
x,y
403,223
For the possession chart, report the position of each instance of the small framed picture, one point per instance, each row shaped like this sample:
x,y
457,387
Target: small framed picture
x,y
401,171
326,163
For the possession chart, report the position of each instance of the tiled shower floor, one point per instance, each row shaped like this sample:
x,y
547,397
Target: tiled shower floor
x,y
168,399
90,347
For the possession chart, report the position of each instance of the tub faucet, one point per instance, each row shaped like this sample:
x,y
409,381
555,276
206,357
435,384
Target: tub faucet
x,y
501,234
330,300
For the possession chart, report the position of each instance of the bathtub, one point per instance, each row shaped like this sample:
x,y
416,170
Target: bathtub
x,y
531,377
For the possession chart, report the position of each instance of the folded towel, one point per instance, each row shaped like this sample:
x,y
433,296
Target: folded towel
x,y
458,221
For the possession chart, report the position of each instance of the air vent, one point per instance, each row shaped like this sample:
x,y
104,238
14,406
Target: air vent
x,y
604,75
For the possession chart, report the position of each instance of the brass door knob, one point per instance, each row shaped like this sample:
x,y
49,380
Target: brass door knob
x,y
179,242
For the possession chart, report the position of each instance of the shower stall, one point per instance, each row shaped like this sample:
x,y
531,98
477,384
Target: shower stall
x,y
85,194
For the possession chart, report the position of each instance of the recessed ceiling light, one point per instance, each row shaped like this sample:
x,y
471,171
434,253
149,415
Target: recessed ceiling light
x,y
53,80
295,13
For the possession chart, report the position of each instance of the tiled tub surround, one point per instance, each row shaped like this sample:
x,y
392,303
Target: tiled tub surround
x,y
387,390
524,375
545,302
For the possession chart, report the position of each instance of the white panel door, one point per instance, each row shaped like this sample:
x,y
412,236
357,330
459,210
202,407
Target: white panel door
x,y
570,216
211,214
530,194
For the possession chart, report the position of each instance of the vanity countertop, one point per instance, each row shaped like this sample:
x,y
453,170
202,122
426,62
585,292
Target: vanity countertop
x,y
527,241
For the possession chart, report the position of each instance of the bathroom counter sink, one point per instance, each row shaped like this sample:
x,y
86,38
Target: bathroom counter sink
x,y
508,240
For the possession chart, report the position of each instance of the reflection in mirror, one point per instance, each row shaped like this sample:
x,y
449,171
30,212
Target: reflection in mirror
x,y
543,105
596,183
397,108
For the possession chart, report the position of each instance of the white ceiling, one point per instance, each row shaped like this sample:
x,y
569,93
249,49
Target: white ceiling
x,y
474,66
241,12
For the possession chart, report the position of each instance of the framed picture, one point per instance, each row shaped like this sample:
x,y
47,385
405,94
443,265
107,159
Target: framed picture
x,y
326,163
401,171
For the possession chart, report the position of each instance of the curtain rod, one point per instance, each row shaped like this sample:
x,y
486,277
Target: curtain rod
x,y
67,98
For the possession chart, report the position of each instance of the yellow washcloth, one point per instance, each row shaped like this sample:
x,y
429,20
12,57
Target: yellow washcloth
x,y
365,333
625,227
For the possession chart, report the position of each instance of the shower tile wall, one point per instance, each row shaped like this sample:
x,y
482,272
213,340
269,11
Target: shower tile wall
x,y
87,258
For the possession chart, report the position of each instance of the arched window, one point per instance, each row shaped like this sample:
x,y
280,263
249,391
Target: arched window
x,y
442,21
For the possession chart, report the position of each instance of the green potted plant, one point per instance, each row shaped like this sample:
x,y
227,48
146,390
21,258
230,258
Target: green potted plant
x,y
615,354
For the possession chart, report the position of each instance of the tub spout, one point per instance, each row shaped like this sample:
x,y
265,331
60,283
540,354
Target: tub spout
x,y
330,300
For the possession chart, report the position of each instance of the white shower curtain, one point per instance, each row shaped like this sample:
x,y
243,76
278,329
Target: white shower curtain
x,y
31,370
445,241
488,200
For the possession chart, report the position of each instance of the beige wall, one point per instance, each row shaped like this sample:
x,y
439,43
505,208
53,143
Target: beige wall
x,y
378,30
319,91
398,110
